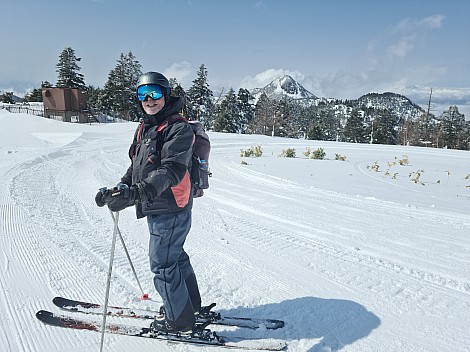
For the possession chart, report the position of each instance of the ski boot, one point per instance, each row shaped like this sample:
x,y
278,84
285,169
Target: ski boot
x,y
161,326
204,315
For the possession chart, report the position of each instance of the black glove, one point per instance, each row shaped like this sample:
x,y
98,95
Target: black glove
x,y
100,197
121,197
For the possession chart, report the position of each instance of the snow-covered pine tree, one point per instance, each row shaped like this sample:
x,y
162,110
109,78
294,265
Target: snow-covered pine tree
x,y
288,113
227,115
68,70
34,96
246,110
176,89
94,95
354,130
452,129
385,127
7,97
200,99
119,92
330,123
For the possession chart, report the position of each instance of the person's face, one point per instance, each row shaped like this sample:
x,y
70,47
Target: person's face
x,y
153,106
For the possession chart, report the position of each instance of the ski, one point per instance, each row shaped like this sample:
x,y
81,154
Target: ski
x,y
212,317
201,336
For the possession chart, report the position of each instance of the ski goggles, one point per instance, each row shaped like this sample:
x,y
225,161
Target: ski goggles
x,y
153,91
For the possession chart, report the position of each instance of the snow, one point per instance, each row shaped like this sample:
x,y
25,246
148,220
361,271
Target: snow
x,y
352,257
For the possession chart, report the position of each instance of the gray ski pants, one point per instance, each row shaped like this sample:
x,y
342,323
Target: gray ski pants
x,y
174,278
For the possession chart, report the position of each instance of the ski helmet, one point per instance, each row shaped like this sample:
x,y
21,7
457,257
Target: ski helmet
x,y
155,78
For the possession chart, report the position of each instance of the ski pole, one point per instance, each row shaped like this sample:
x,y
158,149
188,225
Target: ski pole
x,y
108,283
144,295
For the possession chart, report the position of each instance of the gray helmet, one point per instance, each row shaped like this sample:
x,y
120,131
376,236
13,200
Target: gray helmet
x,y
155,78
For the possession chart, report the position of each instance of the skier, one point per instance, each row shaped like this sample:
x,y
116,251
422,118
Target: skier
x,y
158,184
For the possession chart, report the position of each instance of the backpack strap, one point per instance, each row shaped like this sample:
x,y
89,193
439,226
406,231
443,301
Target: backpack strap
x,y
136,139
138,135
167,122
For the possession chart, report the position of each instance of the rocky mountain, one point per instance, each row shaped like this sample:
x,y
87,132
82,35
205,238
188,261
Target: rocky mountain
x,y
284,86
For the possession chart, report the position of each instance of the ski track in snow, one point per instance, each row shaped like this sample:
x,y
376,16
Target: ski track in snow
x,y
58,234
325,228
261,245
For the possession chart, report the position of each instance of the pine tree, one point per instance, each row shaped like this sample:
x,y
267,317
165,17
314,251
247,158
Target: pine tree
x,y
453,129
332,125
67,69
200,99
288,116
34,96
227,116
315,131
119,92
385,128
178,91
246,110
94,95
7,97
282,115
324,125
264,119
306,116
354,130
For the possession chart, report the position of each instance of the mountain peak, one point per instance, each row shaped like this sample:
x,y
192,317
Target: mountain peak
x,y
285,79
284,86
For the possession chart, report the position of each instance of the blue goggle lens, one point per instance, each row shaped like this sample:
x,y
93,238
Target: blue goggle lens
x,y
152,90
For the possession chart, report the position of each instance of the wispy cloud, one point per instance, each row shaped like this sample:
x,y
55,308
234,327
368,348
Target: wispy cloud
x,y
264,78
402,47
259,4
410,31
414,24
182,71
432,22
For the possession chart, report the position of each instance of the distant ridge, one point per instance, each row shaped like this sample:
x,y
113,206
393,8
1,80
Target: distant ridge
x,y
286,86
399,104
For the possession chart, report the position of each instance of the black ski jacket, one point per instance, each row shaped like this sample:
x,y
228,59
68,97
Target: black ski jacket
x,y
160,159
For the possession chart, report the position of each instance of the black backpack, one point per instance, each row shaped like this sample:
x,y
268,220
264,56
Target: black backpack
x,y
199,169
200,172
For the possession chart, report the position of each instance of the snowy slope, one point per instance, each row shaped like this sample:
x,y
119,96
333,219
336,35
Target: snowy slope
x,y
351,258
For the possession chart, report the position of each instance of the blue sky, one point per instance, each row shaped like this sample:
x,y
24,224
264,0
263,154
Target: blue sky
x,y
336,48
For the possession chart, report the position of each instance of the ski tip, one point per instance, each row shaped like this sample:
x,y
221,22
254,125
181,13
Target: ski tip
x,y
41,314
60,301
261,344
